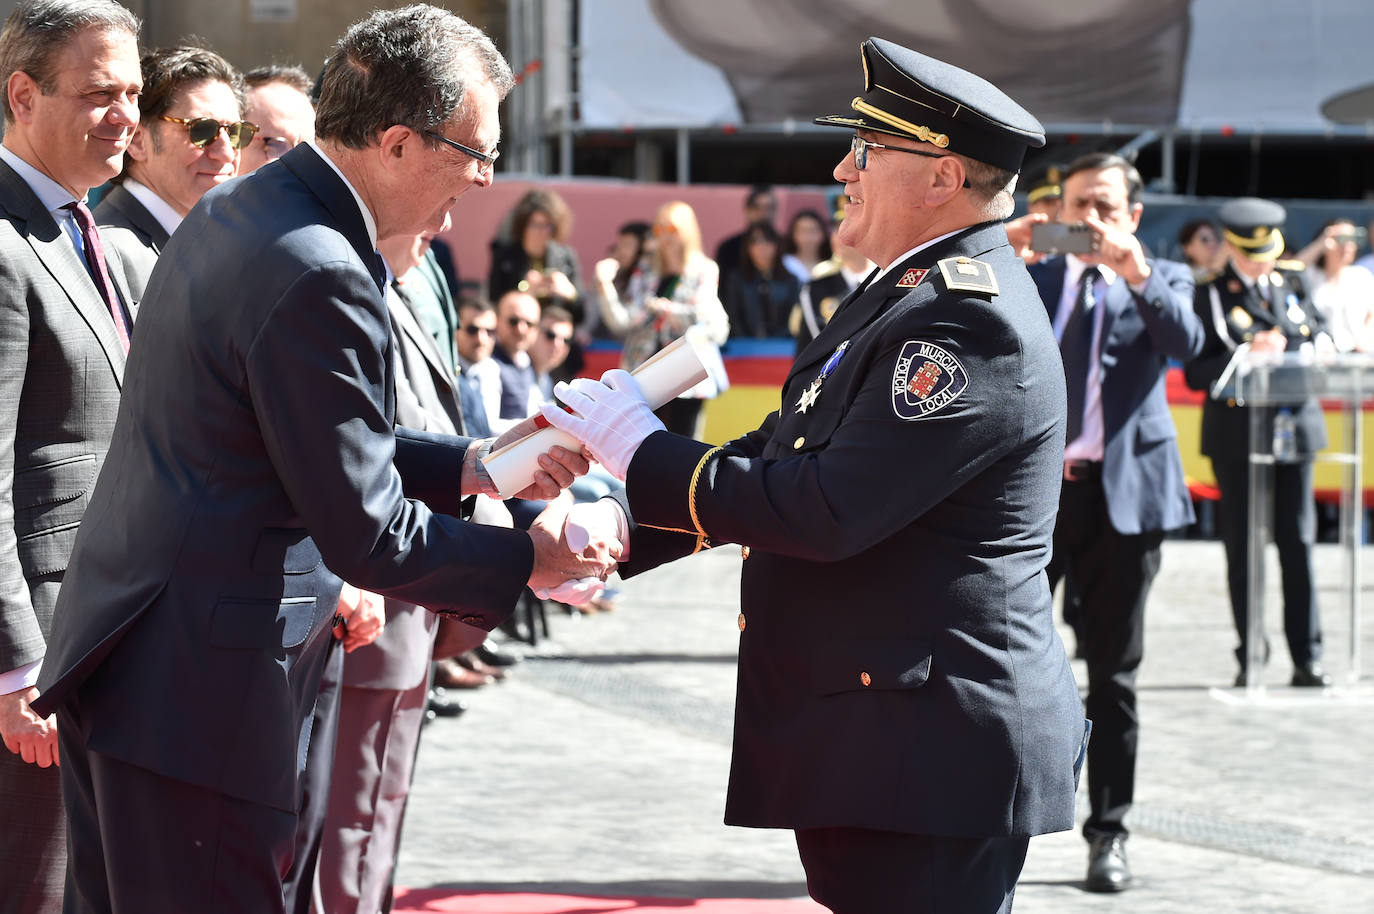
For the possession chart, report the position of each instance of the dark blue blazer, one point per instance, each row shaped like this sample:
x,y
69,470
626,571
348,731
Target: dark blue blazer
x,y
253,465
1142,473
898,663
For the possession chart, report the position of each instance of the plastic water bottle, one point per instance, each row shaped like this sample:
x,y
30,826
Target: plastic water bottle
x,y
1285,437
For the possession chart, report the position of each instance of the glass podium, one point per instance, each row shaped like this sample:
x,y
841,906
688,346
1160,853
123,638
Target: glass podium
x,y
1341,382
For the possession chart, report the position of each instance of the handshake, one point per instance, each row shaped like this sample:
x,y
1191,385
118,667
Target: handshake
x,y
576,546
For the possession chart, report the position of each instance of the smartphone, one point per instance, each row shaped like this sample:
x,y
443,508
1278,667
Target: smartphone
x,y
1062,238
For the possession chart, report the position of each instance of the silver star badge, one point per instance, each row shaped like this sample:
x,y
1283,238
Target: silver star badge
x,y
809,396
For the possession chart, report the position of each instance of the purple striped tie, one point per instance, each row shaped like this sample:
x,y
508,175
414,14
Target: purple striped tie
x,y
95,261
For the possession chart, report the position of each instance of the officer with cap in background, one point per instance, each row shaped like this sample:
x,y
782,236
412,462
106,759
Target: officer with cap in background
x,y
904,704
1262,301
1044,193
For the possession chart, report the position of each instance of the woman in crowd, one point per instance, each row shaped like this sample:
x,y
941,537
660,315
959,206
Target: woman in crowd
x,y
1200,241
631,251
1341,291
678,290
807,245
537,259
761,293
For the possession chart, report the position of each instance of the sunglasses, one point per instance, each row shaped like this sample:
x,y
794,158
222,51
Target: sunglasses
x,y
519,322
557,337
202,131
661,230
276,146
474,330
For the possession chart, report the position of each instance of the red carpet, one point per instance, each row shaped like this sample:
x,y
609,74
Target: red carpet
x,y
421,901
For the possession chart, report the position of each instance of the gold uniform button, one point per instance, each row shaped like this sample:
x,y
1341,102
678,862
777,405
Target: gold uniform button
x,y
1306,330
1249,337
866,679
741,621
797,445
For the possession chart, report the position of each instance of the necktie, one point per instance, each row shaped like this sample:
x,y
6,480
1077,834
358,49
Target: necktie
x,y
380,271
95,263
1075,346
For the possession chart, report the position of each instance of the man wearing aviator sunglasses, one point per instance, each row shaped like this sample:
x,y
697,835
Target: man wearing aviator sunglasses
x,y
187,142
278,101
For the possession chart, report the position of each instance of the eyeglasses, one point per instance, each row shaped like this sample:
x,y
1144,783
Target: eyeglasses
x,y
202,131
488,159
553,337
860,146
519,323
474,330
276,146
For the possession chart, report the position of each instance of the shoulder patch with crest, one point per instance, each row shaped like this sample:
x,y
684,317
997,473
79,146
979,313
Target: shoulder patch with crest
x,y
927,378
963,274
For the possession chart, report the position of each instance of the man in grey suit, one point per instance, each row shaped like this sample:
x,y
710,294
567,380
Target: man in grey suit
x,y
255,463
188,140
385,683
72,78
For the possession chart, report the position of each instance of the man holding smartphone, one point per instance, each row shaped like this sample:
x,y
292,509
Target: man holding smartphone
x,y
1118,316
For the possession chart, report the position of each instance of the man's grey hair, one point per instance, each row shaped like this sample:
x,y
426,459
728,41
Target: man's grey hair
x,y
410,66
992,186
38,31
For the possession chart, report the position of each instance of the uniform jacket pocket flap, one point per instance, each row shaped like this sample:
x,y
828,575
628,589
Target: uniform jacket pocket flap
x,y
50,483
1156,428
857,665
282,550
257,624
799,433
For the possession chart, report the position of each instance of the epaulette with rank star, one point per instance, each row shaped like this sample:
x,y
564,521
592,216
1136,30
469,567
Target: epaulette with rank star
x,y
963,274
1292,266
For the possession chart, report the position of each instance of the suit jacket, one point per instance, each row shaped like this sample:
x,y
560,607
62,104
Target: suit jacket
x,y
899,667
1232,313
1142,473
61,367
134,233
255,462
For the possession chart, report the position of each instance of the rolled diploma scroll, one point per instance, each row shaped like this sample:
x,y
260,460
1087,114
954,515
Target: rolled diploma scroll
x,y
674,369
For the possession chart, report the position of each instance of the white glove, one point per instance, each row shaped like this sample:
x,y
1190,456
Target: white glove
x,y
597,521
574,593
609,416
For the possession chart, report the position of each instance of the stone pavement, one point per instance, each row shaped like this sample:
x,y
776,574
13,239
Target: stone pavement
x,y
599,767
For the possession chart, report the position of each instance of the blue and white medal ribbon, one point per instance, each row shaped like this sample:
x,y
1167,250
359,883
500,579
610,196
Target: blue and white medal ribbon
x,y
813,390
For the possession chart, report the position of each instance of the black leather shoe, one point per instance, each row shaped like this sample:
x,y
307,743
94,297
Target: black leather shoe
x,y
488,654
1311,675
441,705
1107,867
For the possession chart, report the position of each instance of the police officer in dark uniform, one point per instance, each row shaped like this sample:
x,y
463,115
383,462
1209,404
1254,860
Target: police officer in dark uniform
x,y
1261,301
831,282
904,702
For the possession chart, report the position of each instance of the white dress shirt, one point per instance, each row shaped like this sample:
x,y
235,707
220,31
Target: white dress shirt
x,y
157,207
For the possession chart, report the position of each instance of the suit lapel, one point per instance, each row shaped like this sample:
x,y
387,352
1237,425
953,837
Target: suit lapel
x,y
408,325
58,256
305,163
1055,272
144,222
